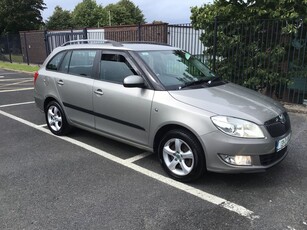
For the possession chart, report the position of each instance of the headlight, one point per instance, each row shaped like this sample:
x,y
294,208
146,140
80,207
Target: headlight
x,y
237,127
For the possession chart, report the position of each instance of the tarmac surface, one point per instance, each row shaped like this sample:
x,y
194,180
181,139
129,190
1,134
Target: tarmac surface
x,y
85,181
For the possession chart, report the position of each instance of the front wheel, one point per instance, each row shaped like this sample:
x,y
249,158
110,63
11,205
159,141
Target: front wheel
x,y
56,119
181,155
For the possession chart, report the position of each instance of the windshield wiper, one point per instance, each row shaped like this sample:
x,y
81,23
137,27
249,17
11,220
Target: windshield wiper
x,y
199,82
217,78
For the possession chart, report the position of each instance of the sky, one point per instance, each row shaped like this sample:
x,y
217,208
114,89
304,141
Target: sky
x,y
170,11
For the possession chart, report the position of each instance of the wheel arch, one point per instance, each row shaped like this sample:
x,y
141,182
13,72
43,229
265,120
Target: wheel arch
x,y
169,132
52,98
166,128
48,100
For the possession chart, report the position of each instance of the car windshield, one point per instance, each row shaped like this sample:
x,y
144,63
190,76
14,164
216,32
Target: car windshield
x,y
177,69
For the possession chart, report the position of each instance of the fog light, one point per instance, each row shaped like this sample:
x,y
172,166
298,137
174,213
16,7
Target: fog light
x,y
237,160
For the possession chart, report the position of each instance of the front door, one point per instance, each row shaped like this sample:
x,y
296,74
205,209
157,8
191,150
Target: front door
x,y
119,111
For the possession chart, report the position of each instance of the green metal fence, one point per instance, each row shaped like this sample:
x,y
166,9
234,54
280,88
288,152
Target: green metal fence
x,y
266,55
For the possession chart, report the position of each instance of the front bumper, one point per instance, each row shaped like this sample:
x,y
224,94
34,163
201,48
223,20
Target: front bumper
x,y
262,151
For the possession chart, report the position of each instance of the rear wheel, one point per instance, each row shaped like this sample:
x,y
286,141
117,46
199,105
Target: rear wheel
x,y
181,155
56,119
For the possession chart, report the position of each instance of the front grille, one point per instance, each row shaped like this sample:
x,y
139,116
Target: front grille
x,y
273,157
277,127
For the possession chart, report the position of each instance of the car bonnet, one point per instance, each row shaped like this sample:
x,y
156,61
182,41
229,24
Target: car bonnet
x,y
231,100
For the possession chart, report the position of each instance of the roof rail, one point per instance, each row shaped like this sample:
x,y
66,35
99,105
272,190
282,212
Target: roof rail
x,y
146,42
92,41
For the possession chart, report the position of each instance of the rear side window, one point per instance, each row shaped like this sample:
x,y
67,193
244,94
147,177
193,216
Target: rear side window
x,y
55,62
82,62
65,63
114,68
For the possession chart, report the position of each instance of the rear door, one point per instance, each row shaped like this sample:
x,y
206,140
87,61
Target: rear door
x,y
119,111
75,85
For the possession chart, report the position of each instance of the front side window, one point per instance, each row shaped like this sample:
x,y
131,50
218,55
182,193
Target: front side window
x,y
176,69
115,68
82,62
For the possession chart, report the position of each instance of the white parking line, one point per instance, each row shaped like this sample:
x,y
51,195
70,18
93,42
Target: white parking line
x,y
138,157
15,90
15,79
16,104
11,73
15,83
170,182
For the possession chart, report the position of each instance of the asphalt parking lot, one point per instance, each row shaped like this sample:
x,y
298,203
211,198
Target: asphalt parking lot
x,y
85,181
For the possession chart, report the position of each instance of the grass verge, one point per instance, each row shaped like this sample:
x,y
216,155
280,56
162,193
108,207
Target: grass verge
x,y
14,57
18,67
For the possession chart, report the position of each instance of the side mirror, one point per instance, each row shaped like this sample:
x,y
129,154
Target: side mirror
x,y
134,81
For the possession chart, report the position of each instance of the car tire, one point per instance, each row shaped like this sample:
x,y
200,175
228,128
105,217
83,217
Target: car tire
x,y
181,155
56,119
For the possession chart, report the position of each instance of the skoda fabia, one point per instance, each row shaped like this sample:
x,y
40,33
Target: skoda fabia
x,y
164,100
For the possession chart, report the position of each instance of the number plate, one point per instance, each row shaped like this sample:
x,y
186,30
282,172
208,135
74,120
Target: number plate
x,y
282,143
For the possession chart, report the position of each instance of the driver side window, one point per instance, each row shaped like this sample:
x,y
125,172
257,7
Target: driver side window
x,y
115,68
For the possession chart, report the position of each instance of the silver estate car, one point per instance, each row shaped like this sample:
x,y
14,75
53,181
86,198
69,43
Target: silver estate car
x,y
164,100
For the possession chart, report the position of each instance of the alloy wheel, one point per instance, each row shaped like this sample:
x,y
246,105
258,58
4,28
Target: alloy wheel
x,y
178,157
54,118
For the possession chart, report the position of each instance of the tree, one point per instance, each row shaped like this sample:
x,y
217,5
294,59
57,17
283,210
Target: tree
x,y
254,39
124,12
89,14
20,15
135,14
59,20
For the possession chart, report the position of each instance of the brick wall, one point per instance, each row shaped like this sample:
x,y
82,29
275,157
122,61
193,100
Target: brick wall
x,y
33,46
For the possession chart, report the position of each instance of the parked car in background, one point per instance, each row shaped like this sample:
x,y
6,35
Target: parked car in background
x,y
164,100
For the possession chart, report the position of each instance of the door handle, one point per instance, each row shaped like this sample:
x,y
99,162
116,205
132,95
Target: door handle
x,y
98,92
60,82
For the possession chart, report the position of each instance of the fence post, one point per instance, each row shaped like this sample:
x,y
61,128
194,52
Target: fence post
x,y
165,31
139,32
71,35
214,43
9,47
26,46
85,33
46,42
